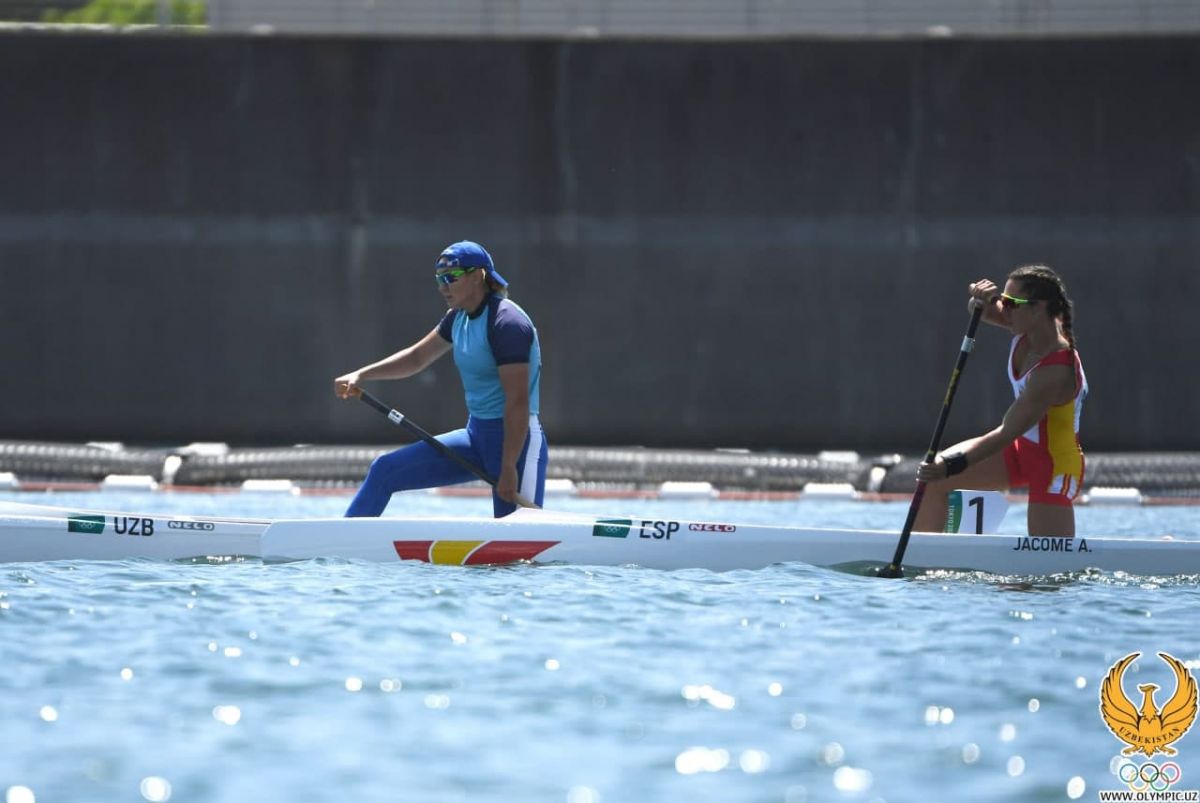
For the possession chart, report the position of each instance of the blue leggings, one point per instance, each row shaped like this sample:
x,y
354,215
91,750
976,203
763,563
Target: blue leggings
x,y
419,465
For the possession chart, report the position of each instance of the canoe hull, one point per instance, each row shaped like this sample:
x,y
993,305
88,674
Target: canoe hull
x,y
36,533
679,544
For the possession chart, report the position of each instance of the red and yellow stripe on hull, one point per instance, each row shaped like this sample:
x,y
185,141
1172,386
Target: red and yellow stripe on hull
x,y
471,553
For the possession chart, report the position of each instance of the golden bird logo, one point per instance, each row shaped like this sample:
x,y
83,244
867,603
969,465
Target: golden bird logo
x,y
1148,729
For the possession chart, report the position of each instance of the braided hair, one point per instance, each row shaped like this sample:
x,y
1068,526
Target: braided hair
x,y
1041,283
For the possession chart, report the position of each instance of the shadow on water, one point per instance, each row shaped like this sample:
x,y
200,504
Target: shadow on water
x,y
920,574
1024,583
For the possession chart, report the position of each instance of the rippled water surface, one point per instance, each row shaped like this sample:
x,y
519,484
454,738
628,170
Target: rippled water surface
x,y
334,680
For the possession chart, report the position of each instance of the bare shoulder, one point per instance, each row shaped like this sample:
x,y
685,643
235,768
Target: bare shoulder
x,y
1055,383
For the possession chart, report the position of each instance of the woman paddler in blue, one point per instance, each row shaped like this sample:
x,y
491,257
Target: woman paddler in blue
x,y
497,354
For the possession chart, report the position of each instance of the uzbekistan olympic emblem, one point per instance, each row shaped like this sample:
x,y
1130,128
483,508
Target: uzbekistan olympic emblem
x,y
1147,728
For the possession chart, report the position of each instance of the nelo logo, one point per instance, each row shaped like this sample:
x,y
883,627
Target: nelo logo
x,y
712,528
207,526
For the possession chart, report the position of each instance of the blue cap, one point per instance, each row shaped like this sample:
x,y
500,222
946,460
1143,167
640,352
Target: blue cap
x,y
467,254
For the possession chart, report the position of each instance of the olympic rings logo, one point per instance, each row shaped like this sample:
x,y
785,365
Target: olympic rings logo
x,y
1149,776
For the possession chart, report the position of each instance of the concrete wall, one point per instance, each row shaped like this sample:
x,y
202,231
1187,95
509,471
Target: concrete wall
x,y
725,18
722,244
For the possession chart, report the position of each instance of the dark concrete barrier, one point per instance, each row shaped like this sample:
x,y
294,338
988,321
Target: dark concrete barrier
x,y
723,244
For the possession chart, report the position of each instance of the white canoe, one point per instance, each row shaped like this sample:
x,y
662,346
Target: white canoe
x,y
34,533
37,532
